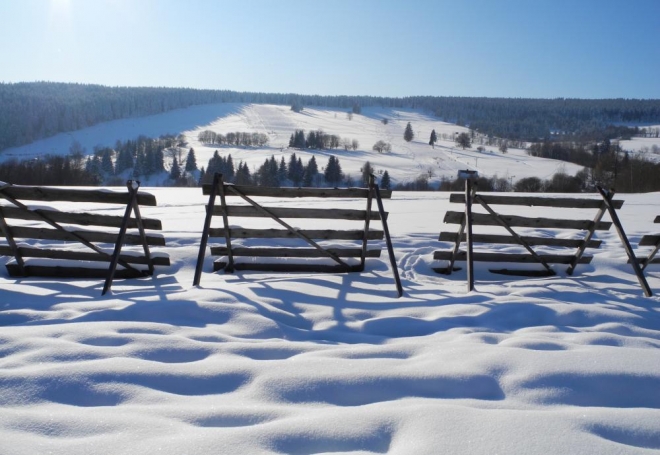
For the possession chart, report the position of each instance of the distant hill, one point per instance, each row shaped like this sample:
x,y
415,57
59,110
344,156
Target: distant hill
x,y
405,161
36,110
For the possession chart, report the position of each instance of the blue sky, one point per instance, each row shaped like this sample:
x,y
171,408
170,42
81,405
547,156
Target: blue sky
x,y
494,48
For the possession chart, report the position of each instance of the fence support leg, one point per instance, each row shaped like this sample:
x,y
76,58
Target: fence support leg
x,y
468,234
607,197
388,240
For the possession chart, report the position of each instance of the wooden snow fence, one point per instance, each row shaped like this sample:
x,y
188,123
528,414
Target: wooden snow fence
x,y
547,240
293,249
652,240
50,233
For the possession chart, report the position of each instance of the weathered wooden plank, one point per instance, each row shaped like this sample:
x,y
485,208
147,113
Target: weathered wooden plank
x,y
508,239
82,219
91,236
320,234
41,193
249,211
649,240
288,192
289,267
655,260
531,201
523,272
484,219
71,272
511,257
293,252
30,252
292,230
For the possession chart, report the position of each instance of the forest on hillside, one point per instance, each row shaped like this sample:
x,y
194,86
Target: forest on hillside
x,y
605,164
35,110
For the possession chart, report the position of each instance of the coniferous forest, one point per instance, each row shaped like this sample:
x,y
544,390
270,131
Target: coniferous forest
x,y
35,110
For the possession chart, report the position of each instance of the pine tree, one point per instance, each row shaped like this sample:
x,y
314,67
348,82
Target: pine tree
x,y
333,173
385,182
202,174
282,171
295,170
191,161
366,170
433,139
243,176
299,139
139,167
158,161
93,166
408,134
175,171
106,162
229,173
214,165
124,161
311,171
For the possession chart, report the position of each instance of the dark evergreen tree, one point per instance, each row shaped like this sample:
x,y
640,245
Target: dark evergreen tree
x,y
282,171
385,182
175,171
191,161
366,170
333,174
93,167
312,141
296,106
267,173
140,166
311,171
229,172
243,176
433,139
214,165
295,170
106,162
158,161
124,161
299,141
202,175
408,134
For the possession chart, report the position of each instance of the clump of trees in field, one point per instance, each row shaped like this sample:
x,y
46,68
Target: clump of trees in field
x,y
237,139
319,140
276,172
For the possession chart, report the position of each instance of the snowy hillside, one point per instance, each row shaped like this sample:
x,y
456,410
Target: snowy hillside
x,y
405,163
275,363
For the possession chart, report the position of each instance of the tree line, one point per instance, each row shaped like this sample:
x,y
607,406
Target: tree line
x,y
34,110
320,140
237,139
274,172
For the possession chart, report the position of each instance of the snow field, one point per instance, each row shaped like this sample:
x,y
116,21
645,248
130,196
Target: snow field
x,y
311,363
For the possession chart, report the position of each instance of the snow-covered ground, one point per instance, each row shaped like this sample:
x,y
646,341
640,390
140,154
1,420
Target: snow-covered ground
x,y
648,147
406,162
252,363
